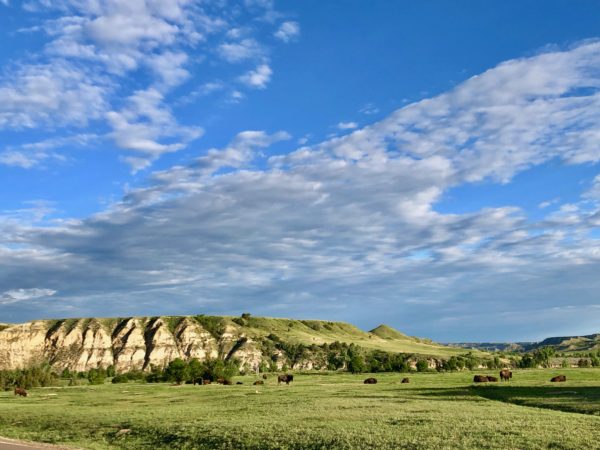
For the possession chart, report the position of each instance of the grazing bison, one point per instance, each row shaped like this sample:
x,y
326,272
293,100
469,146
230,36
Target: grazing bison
x,y
264,376
287,379
559,378
505,375
239,382
480,379
405,380
492,379
257,382
370,381
20,391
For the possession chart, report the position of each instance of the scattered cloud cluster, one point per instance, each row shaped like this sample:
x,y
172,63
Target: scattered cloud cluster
x,y
118,64
350,227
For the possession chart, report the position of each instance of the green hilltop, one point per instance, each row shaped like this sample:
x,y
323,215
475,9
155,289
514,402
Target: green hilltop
x,y
325,332
307,332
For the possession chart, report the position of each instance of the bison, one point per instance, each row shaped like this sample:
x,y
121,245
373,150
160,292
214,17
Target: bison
x,y
257,382
205,381
492,379
480,379
20,391
287,379
370,381
405,380
559,378
264,376
505,375
239,382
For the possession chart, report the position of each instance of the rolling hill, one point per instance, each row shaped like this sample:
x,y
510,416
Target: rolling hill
x,y
138,343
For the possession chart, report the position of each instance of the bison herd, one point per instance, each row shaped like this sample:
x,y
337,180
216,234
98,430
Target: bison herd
x,y
505,375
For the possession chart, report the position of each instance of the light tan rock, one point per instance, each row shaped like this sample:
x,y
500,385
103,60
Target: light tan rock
x,y
129,346
194,341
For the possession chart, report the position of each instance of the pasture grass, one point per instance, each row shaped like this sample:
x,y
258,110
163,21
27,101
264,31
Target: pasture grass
x,y
318,411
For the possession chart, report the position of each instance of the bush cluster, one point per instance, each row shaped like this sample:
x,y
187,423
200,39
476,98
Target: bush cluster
x,y
37,376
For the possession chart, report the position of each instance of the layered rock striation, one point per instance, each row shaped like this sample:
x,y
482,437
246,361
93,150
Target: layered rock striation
x,y
127,344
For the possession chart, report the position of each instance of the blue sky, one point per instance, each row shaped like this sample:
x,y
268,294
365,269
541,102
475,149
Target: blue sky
x,y
430,165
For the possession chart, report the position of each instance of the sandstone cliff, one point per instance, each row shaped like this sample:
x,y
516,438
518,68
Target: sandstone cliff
x,y
128,344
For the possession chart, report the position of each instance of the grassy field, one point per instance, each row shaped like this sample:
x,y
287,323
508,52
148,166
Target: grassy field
x,y
318,411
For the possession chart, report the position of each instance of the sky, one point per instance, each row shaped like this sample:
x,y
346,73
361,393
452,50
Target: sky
x,y
430,165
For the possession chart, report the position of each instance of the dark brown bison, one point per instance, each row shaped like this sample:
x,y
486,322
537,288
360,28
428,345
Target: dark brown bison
x,y
205,381
239,382
20,391
370,381
257,382
505,375
492,379
480,379
559,378
264,376
405,380
287,379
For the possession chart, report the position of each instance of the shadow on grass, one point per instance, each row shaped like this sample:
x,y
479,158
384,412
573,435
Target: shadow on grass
x,y
578,399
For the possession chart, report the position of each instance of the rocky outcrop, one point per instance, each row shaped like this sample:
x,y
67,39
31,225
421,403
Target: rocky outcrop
x,y
141,343
127,344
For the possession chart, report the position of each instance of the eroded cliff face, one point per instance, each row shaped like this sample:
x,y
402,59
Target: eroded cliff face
x,y
128,344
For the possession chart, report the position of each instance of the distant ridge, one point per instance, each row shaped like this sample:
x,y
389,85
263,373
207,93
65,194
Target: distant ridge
x,y
584,343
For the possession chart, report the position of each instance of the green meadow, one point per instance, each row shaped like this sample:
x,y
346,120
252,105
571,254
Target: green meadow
x,y
318,410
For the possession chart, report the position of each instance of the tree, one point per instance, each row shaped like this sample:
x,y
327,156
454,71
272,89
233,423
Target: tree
x,y
583,362
422,365
177,371
96,376
356,363
213,369
195,370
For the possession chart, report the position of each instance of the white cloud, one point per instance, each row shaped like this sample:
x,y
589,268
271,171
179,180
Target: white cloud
x,y
27,160
54,94
369,109
258,78
142,124
288,31
235,52
20,295
347,125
